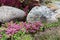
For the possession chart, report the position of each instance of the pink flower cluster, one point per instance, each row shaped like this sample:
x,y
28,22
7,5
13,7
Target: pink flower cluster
x,y
12,29
32,27
24,27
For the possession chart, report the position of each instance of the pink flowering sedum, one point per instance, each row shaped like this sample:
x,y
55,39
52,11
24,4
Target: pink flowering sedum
x,y
24,27
12,29
32,27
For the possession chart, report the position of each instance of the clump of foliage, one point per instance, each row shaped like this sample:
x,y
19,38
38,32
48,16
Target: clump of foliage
x,y
17,31
14,31
49,25
14,3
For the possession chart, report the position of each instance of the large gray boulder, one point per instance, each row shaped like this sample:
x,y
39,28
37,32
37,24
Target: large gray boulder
x,y
8,13
39,13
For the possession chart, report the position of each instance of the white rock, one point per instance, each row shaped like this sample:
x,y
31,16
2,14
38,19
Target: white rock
x,y
36,13
7,13
52,19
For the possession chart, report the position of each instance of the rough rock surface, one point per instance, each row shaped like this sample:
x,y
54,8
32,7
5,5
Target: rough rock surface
x,y
7,13
37,12
48,34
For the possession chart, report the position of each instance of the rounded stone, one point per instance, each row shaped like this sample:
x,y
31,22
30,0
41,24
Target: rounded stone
x,y
43,13
8,13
